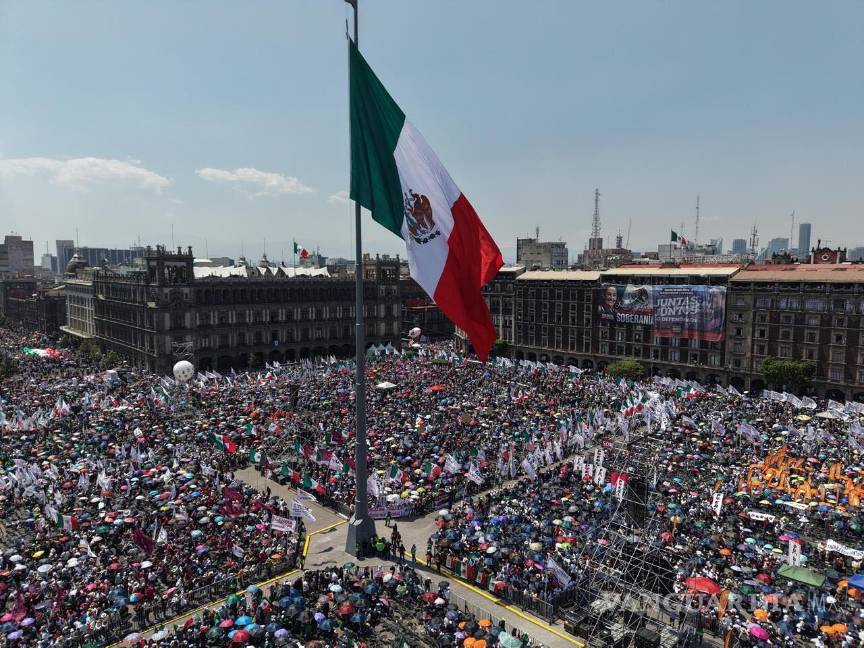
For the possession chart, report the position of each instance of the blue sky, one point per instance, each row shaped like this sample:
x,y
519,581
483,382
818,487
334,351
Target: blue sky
x,y
228,120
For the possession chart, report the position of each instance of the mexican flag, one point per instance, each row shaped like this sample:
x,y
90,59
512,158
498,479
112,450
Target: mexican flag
x,y
678,238
301,251
68,522
396,176
293,475
394,474
311,484
224,442
255,456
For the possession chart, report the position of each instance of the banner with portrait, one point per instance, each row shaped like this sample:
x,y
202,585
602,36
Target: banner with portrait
x,y
683,311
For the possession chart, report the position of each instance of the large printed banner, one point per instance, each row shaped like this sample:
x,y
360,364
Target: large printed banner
x,y
671,311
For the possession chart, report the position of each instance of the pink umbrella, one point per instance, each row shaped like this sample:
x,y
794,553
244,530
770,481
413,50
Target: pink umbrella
x,y
758,631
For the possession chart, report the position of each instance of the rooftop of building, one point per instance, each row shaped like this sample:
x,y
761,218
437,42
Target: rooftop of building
x,y
202,272
559,275
818,273
684,270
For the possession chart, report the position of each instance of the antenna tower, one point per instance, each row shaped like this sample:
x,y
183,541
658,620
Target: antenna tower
x,y
792,233
754,240
595,220
696,233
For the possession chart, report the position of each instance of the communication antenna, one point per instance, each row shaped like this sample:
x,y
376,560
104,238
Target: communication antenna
x,y
595,220
696,233
754,240
792,232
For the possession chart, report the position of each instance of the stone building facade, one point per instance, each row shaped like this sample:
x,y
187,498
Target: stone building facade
x,y
163,313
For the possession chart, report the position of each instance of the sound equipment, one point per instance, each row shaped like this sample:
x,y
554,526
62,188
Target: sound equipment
x,y
637,500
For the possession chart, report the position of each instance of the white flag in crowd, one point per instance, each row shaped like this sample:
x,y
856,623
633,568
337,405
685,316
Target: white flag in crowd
x,y
474,475
529,468
298,510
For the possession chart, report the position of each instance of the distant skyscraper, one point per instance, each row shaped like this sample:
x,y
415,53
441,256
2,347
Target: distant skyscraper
x,y
803,239
65,250
776,245
16,256
855,254
739,246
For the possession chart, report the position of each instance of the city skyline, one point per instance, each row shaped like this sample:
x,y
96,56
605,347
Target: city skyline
x,y
231,126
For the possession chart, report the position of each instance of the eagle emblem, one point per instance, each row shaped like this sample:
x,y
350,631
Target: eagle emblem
x,y
418,214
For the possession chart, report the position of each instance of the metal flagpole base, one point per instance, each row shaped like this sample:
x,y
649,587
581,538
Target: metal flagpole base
x,y
360,531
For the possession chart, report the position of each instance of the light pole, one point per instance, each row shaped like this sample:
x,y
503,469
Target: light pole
x,y
361,527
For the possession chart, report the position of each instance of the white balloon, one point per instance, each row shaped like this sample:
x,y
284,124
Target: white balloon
x,y
184,371
415,332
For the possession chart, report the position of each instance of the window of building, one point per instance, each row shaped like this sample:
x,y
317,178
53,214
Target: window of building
x,y
604,347
809,354
838,338
674,355
785,351
694,343
738,347
736,363
761,333
763,302
785,318
815,304
739,332
675,342
759,348
714,359
840,322
620,335
655,354
861,374
740,301
785,334
838,355
835,373
620,349
813,320
790,303
655,340
637,336
737,317
761,318
838,304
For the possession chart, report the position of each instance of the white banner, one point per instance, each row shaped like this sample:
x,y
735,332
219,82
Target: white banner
x,y
833,545
717,503
279,523
599,475
794,557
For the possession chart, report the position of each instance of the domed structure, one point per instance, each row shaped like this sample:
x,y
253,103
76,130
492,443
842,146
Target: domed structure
x,y
75,263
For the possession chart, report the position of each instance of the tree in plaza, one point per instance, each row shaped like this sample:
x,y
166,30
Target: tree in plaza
x,y
110,359
90,350
499,348
792,374
626,368
8,366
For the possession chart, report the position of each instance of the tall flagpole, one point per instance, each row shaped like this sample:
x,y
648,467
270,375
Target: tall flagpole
x,y
361,527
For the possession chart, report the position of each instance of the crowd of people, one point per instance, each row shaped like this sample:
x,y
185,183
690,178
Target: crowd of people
x,y
120,504
754,506
117,510
342,607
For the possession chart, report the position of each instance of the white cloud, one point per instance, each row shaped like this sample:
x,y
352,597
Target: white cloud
x,y
266,182
80,173
339,198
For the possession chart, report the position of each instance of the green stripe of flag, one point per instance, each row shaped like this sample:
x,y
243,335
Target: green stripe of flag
x,y
376,122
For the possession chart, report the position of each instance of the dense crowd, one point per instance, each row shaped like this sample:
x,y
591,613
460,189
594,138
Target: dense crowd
x,y
120,504
372,607
733,482
115,509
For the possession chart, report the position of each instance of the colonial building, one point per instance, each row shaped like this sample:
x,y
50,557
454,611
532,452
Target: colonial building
x,y
24,303
221,318
693,354
552,316
801,312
